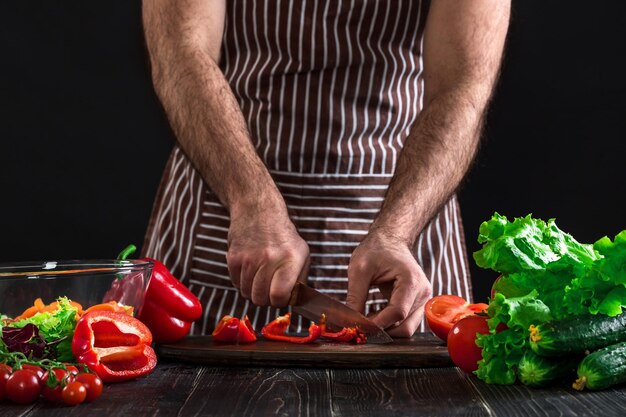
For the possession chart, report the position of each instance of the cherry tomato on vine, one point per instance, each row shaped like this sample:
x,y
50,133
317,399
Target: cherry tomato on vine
x,y
72,369
74,393
34,368
23,387
462,341
63,378
5,373
93,385
443,311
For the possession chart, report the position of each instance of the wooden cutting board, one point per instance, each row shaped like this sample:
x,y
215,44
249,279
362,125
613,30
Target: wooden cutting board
x,y
422,350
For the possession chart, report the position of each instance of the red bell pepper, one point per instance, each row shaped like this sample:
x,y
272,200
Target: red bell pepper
x,y
168,308
114,345
231,329
276,330
347,334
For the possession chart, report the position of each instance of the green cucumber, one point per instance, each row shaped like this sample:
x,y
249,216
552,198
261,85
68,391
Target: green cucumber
x,y
603,368
539,371
577,334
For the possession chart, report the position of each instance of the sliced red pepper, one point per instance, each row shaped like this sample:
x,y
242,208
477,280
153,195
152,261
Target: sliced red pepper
x,y
246,332
231,329
277,329
114,345
227,329
347,334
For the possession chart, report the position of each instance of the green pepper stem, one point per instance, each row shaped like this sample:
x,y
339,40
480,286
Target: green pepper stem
x,y
128,250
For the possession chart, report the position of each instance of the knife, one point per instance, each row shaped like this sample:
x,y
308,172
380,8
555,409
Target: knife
x,y
311,304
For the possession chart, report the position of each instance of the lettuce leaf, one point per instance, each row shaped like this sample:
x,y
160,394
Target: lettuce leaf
x,y
502,350
545,274
56,328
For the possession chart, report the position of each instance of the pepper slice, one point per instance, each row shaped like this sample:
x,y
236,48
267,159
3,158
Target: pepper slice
x,y
227,329
231,329
276,330
114,345
246,332
347,334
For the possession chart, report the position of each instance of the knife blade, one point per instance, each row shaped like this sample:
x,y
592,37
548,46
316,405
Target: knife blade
x,y
311,304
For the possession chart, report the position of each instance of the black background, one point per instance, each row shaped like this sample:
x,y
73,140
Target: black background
x,y
83,139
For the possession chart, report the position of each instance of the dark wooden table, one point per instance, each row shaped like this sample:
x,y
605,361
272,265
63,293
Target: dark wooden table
x,y
179,389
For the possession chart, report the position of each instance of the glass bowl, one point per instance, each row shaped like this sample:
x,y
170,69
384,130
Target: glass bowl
x,y
86,282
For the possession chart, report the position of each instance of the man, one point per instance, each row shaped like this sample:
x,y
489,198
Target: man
x,y
321,141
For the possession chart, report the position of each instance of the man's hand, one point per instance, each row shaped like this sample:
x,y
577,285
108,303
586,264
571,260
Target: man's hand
x,y
387,262
266,256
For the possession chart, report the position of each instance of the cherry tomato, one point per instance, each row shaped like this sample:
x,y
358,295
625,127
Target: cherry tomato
x,y
71,368
34,368
63,378
23,387
462,342
443,311
93,385
5,373
74,393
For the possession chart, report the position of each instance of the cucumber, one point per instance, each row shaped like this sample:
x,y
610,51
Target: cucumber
x,y
539,371
603,368
577,334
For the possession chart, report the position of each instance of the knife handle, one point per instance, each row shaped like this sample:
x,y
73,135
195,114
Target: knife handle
x,y
295,294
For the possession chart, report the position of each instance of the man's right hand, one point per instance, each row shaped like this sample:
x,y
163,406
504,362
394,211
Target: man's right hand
x,y
266,256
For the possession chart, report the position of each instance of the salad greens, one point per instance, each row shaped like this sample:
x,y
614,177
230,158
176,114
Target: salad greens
x,y
545,274
56,328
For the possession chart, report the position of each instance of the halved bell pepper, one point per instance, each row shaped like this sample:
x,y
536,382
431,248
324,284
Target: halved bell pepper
x,y
277,329
114,345
231,329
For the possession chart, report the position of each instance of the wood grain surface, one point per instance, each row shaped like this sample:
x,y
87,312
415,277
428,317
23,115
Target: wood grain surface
x,y
423,350
182,389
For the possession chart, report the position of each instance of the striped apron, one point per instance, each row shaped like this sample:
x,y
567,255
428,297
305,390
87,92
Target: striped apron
x,y
330,91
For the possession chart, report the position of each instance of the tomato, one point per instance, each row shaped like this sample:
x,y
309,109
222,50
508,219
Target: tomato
x,y
93,385
5,373
74,393
71,368
63,378
34,368
23,387
443,311
493,286
462,342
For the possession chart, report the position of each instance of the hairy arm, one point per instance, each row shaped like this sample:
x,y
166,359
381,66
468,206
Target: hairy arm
x,y
184,39
463,44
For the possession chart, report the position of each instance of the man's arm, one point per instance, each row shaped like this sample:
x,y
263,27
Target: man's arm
x,y
265,254
463,44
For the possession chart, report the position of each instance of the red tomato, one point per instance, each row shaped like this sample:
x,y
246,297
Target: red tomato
x,y
93,385
443,311
5,373
462,342
23,387
74,393
54,394
34,368
71,368
493,289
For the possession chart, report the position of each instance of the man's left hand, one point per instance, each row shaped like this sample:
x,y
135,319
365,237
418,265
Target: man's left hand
x,y
387,262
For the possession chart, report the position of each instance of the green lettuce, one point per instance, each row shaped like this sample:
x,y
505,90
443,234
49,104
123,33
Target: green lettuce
x,y
544,274
56,328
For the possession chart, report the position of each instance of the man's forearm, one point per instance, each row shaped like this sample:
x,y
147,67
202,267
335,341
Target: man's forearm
x,y
464,40
434,160
204,114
